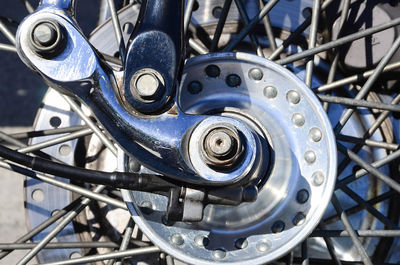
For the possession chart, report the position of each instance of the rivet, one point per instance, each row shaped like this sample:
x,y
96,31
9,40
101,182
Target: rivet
x,y
241,243
219,254
256,74
318,178
310,157
299,219
293,97
315,134
298,119
270,92
201,240
263,246
177,239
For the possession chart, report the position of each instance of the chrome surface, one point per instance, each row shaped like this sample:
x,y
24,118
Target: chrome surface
x,y
78,71
271,225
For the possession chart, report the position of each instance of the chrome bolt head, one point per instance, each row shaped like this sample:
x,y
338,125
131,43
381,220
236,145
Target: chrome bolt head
x,y
45,34
147,85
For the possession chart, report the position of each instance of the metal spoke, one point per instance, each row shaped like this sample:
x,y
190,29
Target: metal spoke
x,y
220,25
368,142
355,78
355,209
59,245
117,30
39,228
195,45
251,24
6,32
368,85
362,172
75,107
126,238
375,126
359,103
60,226
330,246
245,19
338,42
33,134
82,191
268,28
304,253
360,233
7,48
55,141
375,172
28,6
372,210
346,222
112,255
312,41
188,15
295,34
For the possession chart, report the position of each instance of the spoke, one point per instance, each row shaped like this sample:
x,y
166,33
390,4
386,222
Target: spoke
x,y
7,138
75,107
126,238
360,233
312,41
117,30
195,45
112,255
51,220
7,48
6,32
368,142
359,103
28,6
356,78
74,188
295,34
60,245
368,84
169,260
330,246
33,134
362,172
220,25
188,15
375,126
375,172
268,28
251,24
346,222
55,141
369,208
338,42
304,253
336,53
355,209
112,59
245,19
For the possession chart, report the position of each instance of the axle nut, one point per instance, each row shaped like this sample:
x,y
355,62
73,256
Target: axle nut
x,y
47,38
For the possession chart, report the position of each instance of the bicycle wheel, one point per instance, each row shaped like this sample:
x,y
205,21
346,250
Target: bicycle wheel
x,y
326,123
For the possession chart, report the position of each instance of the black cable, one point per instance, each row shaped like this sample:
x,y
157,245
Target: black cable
x,y
125,180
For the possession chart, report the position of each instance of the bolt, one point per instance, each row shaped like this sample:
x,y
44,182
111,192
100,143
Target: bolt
x,y
47,39
233,80
147,85
45,34
222,146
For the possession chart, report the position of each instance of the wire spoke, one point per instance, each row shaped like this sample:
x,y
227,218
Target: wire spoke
x,y
188,15
220,25
251,24
60,245
7,48
350,230
112,255
338,42
360,233
368,142
117,30
312,41
40,133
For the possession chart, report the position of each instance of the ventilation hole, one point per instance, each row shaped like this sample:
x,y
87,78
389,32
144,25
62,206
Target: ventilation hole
x,y
217,11
128,28
38,195
195,6
55,122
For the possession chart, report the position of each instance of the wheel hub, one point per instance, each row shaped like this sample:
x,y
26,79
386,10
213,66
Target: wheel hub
x,y
295,184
